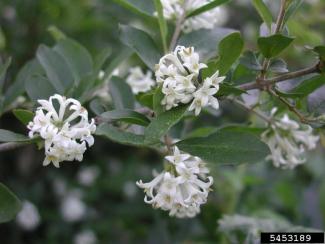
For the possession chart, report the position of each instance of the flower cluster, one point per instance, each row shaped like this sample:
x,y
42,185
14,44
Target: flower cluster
x,y
138,81
180,189
288,141
64,126
178,72
173,9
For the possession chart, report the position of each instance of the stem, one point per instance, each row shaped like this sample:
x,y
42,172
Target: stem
x,y
178,30
279,21
278,28
287,76
259,114
291,107
10,146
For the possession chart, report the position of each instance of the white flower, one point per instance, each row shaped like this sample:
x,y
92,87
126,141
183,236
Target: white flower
x,y
288,142
85,237
28,218
64,126
173,9
180,189
73,208
138,81
88,175
178,72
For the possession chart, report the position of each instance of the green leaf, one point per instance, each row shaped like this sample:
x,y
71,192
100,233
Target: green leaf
x,y
162,23
292,9
56,68
101,58
289,94
157,98
227,146
230,49
227,89
18,87
121,93
250,60
56,33
10,205
202,41
9,136
146,99
39,87
273,45
142,44
24,116
96,106
160,125
77,57
263,11
207,7
308,86
3,71
125,115
201,132
278,66
121,56
144,8
122,137
320,50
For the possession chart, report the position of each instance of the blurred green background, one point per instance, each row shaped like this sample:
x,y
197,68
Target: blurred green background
x,y
99,195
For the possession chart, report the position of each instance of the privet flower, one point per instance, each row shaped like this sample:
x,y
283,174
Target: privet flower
x,y
173,9
138,81
64,126
288,142
181,188
178,72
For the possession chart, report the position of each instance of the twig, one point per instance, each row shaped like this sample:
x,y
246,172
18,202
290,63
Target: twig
x,y
10,146
278,28
291,107
287,76
250,109
177,32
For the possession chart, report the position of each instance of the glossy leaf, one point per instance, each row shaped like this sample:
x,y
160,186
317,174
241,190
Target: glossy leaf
x,y
142,44
230,49
202,41
76,56
160,125
227,147
125,115
122,137
39,87
157,98
308,86
10,205
272,46
162,23
24,116
56,68
18,86
263,11
9,136
144,8
121,93
207,7
250,60
278,66
227,89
